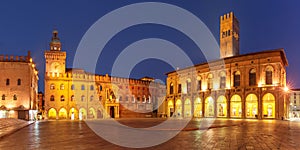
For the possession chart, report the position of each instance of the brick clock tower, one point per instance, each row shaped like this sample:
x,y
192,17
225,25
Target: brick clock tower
x,y
55,58
229,36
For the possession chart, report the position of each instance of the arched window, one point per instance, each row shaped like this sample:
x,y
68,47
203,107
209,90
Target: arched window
x,y
100,87
62,98
19,82
269,72
15,97
236,79
7,81
72,87
3,97
82,98
52,98
92,98
252,77
72,98
210,82
171,88
82,87
62,87
120,98
92,88
52,86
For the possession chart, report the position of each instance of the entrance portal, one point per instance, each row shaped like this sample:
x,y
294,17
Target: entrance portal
x,y
112,112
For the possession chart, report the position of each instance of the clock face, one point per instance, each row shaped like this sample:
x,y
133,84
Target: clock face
x,y
55,66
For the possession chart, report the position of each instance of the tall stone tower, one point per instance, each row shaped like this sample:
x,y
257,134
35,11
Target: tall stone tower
x,y
55,58
229,36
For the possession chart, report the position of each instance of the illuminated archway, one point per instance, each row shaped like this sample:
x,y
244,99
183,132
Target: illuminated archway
x,y
92,113
82,113
63,114
251,106
187,108
178,108
73,114
52,113
236,106
209,107
268,105
221,106
198,107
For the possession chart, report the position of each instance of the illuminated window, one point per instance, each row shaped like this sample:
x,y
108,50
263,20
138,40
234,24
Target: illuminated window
x,y
268,105
235,106
72,87
179,88
62,87
19,82
3,97
252,77
15,97
197,107
62,98
92,88
269,72
236,79
171,88
251,106
82,87
7,81
209,107
52,86
52,98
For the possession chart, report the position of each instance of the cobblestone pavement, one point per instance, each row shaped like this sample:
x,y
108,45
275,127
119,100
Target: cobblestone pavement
x,y
222,134
9,125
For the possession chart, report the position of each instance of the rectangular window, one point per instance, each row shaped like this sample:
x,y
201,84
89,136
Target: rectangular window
x,y
19,81
179,88
199,85
237,79
252,79
7,81
209,83
222,82
269,77
188,87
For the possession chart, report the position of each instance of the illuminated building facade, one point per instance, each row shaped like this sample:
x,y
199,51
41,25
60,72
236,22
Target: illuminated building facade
x,y
235,86
294,97
18,87
75,94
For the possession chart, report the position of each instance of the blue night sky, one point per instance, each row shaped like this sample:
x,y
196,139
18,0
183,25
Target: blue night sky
x,y
28,25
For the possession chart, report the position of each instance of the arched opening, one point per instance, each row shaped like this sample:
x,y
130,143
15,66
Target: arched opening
x,y
52,113
251,106
73,114
92,113
268,105
62,113
236,106
178,108
222,106
82,113
198,107
99,113
187,108
209,107
170,108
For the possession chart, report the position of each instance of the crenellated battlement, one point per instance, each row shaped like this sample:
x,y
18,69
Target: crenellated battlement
x,y
95,78
12,58
227,16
